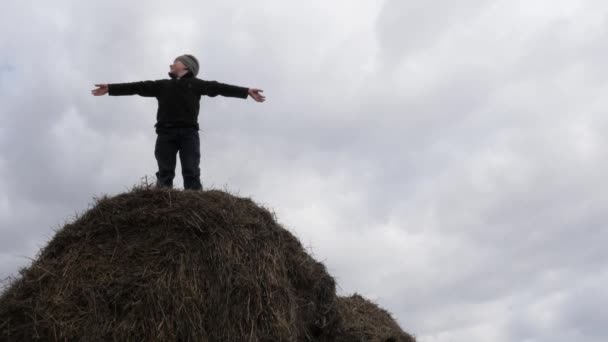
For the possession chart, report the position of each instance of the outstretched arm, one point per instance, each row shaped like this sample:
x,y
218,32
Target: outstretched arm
x,y
143,88
214,88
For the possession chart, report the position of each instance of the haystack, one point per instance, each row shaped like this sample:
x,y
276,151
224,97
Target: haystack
x,y
364,321
169,265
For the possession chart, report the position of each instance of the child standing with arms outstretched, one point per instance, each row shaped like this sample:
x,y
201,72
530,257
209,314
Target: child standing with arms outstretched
x,y
177,115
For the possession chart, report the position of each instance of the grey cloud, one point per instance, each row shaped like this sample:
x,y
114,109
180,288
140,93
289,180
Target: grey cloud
x,y
484,155
408,26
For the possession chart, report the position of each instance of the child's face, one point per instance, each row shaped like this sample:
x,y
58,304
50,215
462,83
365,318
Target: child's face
x,y
177,67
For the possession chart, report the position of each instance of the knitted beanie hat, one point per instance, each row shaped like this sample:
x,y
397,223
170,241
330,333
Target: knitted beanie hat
x,y
190,62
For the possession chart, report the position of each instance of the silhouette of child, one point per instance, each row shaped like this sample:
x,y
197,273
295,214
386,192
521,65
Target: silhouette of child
x,y
177,116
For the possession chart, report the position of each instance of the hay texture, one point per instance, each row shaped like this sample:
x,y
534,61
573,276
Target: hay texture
x,y
364,321
170,265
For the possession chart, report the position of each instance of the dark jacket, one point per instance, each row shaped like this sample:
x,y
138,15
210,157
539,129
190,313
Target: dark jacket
x,y
178,99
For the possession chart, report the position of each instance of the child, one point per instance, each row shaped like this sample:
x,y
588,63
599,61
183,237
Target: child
x,y
177,115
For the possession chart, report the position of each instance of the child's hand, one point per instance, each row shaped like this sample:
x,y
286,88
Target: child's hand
x,y
255,94
102,89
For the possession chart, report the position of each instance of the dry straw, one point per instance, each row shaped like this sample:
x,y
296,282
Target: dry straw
x,y
168,265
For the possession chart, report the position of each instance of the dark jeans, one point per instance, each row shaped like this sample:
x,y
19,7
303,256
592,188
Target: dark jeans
x,y
186,141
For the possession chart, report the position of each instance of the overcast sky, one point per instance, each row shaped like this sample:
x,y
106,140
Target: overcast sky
x,y
446,159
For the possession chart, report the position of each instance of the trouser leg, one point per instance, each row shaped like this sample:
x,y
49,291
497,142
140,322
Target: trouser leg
x,y
165,152
190,158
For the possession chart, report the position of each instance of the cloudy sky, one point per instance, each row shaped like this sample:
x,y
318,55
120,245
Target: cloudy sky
x,y
446,159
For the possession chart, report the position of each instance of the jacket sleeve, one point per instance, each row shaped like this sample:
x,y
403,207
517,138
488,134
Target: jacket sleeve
x,y
142,88
214,88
